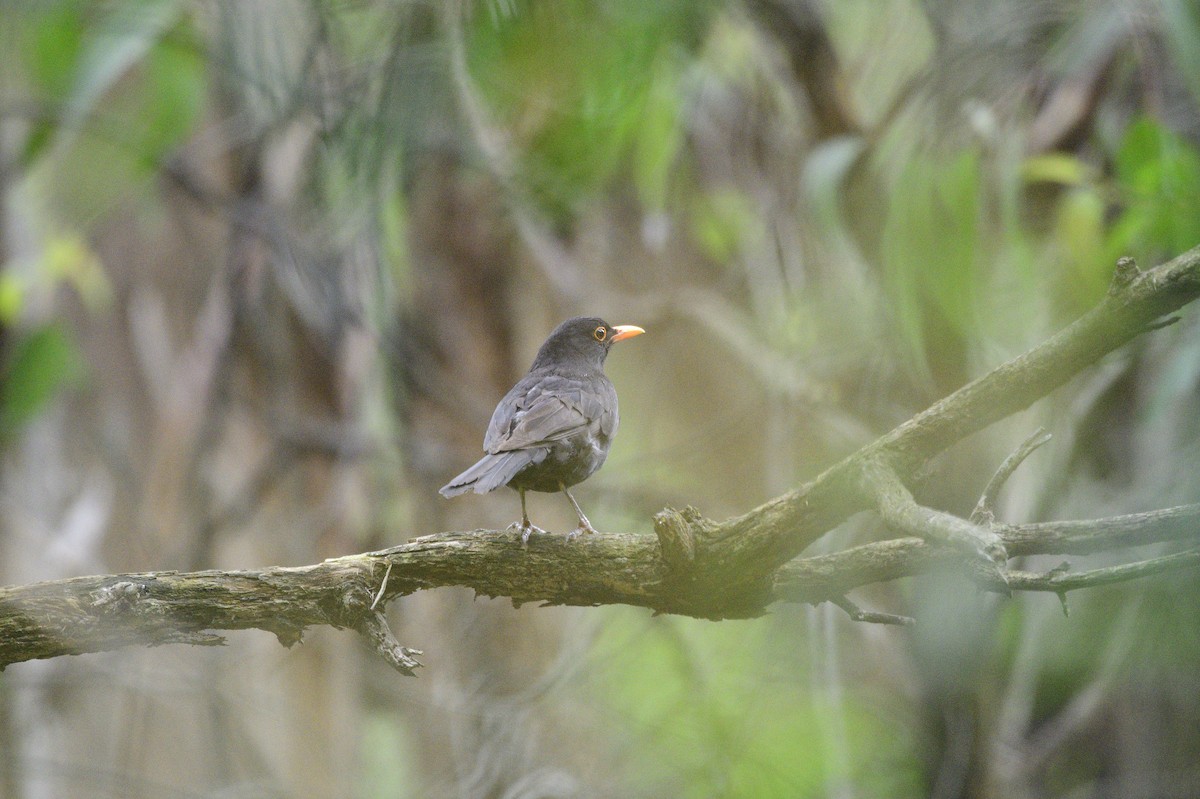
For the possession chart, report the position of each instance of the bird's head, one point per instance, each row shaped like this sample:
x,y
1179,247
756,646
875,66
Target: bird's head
x,y
585,339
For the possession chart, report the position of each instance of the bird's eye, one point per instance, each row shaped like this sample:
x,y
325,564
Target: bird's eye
x,y
600,333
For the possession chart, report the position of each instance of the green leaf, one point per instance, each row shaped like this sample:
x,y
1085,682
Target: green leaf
x,y
1057,168
931,246
659,137
175,94
123,38
12,297
1158,180
42,43
43,362
824,182
721,221
688,697
1079,231
588,90
41,134
53,47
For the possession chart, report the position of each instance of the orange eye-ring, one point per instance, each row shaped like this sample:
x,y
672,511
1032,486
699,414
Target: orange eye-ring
x,y
600,333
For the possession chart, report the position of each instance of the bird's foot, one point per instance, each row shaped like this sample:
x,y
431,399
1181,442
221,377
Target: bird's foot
x,y
527,528
585,527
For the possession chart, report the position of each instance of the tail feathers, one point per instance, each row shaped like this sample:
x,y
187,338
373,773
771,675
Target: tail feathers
x,y
491,472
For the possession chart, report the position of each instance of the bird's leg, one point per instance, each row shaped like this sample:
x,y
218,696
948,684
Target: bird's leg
x,y
525,526
584,525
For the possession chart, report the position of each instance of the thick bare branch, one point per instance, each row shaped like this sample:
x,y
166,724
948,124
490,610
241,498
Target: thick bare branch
x,y
94,614
694,566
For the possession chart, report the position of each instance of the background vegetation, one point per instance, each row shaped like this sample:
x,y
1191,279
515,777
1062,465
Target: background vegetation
x,y
267,266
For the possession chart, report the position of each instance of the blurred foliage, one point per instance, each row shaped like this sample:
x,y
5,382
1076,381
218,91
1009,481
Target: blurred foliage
x,y
387,766
118,88
1157,175
581,110
728,710
721,221
932,245
1182,30
43,361
899,261
44,357
1139,209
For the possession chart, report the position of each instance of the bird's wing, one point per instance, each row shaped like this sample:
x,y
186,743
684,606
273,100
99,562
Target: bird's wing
x,y
597,403
543,409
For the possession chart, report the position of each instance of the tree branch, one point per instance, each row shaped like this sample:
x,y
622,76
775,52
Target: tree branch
x,y
985,510
1061,580
871,617
820,578
95,614
692,566
763,539
901,513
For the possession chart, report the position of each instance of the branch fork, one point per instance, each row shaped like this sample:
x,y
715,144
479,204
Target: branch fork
x,y
902,513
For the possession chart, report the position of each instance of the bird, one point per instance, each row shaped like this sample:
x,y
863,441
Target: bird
x,y
553,429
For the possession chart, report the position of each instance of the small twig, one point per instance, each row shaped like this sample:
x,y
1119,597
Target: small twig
x,y
985,511
382,586
870,616
375,628
1062,568
1059,581
1160,324
1126,272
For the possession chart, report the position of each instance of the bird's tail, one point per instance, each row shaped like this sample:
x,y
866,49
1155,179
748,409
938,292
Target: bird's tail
x,y
491,472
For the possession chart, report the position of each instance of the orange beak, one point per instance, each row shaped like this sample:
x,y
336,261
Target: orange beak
x,y
621,332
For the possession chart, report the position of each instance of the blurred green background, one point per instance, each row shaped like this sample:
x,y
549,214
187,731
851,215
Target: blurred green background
x,y
267,265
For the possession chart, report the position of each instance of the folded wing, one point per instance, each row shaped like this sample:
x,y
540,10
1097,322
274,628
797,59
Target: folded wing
x,y
543,409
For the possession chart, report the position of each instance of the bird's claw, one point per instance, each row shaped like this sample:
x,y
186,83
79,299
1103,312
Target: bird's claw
x,y
580,530
527,528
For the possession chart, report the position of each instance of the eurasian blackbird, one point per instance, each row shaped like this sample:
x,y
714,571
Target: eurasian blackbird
x,y
554,427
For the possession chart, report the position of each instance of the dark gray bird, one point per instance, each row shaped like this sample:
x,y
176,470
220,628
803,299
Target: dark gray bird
x,y
554,428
